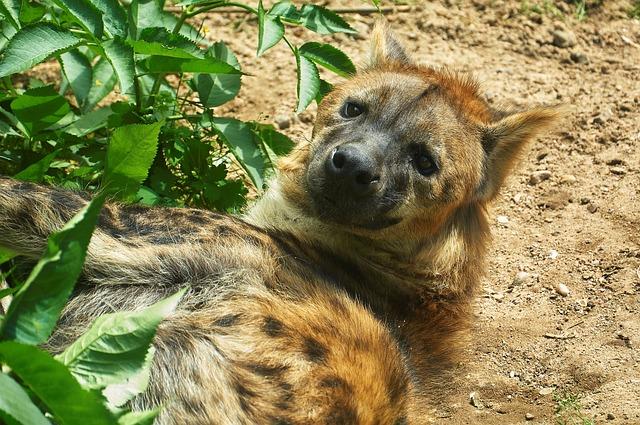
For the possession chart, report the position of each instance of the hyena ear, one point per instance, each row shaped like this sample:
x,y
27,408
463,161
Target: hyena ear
x,y
504,142
384,47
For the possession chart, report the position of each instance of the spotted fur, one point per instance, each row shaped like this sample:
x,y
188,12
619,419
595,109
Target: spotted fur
x,y
293,316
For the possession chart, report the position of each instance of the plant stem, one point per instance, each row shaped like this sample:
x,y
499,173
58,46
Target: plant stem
x,y
9,85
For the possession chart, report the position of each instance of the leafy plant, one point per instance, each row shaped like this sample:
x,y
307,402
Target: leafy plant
x,y
569,410
135,110
100,371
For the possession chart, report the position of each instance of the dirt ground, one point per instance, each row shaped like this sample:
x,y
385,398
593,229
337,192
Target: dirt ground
x,y
570,215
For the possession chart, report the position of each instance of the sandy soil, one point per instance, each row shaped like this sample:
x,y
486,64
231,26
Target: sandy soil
x,y
579,226
570,215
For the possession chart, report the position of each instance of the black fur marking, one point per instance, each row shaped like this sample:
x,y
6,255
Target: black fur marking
x,y
314,350
227,320
268,371
272,326
342,415
334,382
193,406
280,421
166,239
244,394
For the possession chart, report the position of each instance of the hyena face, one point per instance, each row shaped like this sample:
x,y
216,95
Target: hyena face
x,y
401,141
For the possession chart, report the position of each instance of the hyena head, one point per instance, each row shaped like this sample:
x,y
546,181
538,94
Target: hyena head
x,y
402,142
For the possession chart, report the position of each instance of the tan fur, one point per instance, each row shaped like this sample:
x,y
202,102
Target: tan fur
x,y
296,315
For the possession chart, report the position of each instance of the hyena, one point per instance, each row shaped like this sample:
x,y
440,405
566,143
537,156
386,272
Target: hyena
x,y
344,293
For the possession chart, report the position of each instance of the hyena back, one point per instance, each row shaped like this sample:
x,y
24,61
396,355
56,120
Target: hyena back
x,y
343,295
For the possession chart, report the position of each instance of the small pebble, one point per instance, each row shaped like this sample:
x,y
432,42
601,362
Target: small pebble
x,y
553,254
502,219
592,208
564,38
546,390
568,178
579,57
539,176
521,278
562,289
610,416
619,171
282,121
473,400
529,416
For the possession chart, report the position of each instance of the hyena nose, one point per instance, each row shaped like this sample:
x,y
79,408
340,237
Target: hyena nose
x,y
355,169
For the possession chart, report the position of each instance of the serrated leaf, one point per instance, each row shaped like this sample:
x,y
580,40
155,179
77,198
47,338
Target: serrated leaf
x,y
85,14
36,306
33,44
285,10
54,386
116,345
325,88
113,16
159,41
308,82
39,108
323,21
150,13
165,64
15,402
270,30
11,10
89,122
31,12
36,171
120,56
242,143
103,81
277,142
127,163
77,69
217,89
328,56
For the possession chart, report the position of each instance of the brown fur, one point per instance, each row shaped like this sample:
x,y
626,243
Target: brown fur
x,y
296,315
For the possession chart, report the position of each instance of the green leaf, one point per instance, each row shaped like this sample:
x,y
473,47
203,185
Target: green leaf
x,y
121,393
325,88
156,48
165,64
102,83
10,9
217,89
308,82
6,255
89,122
145,417
33,44
277,142
285,10
323,21
127,163
85,14
270,30
36,306
149,13
36,171
31,12
113,15
54,385
77,69
39,108
15,402
169,40
328,56
115,346
241,141
120,56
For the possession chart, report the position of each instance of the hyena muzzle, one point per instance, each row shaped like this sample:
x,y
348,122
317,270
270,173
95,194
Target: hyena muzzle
x,y
343,295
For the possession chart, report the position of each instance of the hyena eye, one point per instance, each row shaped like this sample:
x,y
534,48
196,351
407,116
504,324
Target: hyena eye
x,y
424,164
351,110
